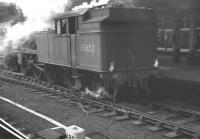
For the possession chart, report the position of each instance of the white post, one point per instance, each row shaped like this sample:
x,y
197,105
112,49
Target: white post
x,y
74,132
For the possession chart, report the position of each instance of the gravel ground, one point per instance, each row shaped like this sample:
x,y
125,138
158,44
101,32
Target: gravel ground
x,y
96,127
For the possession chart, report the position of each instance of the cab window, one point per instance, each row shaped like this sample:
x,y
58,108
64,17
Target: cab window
x,y
58,27
64,26
71,25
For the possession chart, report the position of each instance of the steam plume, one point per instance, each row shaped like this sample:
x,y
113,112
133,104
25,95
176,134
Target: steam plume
x,y
37,12
93,3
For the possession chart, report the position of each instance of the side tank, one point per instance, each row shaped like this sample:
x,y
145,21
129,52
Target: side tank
x,y
119,37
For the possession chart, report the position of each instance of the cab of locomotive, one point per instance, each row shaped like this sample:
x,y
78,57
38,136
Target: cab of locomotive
x,y
104,38
65,26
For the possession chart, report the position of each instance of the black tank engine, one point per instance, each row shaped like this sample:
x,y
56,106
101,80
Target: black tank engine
x,y
98,50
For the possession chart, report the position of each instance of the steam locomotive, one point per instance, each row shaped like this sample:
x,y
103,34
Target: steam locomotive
x,y
98,50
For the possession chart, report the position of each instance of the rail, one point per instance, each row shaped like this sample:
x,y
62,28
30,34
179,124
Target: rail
x,y
12,130
180,121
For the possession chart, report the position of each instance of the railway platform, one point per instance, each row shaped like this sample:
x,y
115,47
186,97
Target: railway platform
x,y
179,71
177,81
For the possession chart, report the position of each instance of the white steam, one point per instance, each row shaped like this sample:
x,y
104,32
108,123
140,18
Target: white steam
x,y
37,12
93,3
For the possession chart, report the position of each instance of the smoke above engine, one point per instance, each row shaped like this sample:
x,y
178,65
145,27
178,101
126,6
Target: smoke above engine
x,y
38,14
93,3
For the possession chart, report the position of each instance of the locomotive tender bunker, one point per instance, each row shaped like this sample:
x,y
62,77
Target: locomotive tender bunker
x,y
95,38
115,43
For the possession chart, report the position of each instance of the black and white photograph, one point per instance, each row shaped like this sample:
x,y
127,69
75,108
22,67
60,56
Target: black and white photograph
x,y
99,69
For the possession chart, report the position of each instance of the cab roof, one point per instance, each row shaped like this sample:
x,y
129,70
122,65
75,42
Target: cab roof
x,y
98,14
72,13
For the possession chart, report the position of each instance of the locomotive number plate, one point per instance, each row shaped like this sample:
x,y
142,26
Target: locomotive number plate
x,y
89,48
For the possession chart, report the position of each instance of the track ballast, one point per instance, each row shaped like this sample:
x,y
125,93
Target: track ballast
x,y
178,121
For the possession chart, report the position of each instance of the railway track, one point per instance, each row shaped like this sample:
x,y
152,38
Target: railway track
x,y
179,121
